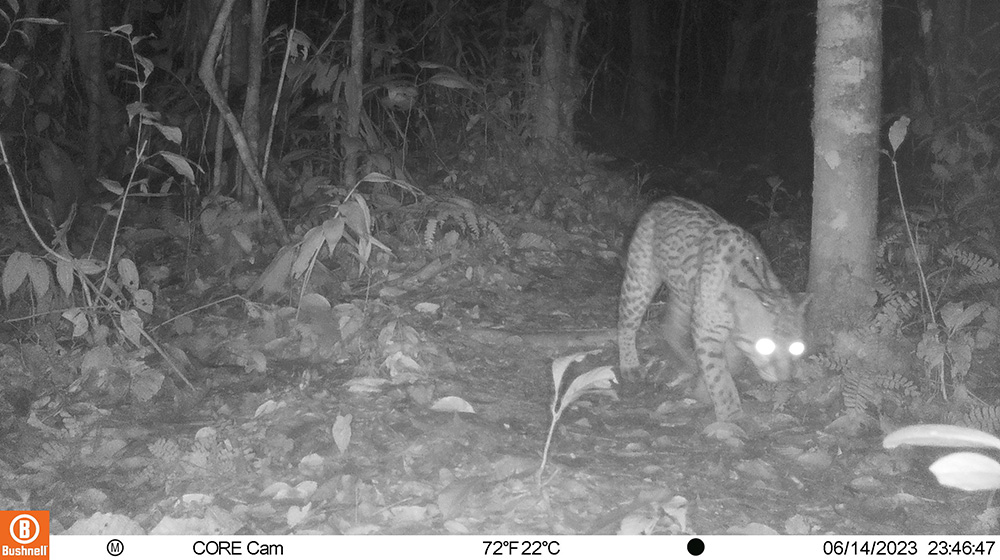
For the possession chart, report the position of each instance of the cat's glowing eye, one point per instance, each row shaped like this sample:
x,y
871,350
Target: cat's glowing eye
x,y
796,348
764,347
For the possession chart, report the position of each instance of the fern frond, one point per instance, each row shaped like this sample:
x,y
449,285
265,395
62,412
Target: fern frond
x,y
982,270
429,232
884,284
472,221
829,361
896,308
465,215
885,241
986,418
898,384
859,392
497,235
974,262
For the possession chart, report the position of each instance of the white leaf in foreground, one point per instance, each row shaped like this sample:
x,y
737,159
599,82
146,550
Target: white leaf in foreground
x,y
452,404
941,435
967,471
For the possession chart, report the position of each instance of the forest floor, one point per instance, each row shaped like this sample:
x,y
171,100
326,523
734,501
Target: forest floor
x,y
352,422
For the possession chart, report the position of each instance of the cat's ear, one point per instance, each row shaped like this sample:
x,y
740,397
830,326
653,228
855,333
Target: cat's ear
x,y
747,302
802,300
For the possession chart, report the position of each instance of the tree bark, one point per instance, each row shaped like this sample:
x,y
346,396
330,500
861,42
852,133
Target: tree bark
x,y
255,62
353,89
942,44
551,75
744,30
206,72
85,18
642,86
847,105
556,94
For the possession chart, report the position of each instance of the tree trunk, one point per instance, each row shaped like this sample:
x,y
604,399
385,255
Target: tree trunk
x,y
744,30
239,42
551,75
102,105
206,72
353,95
642,89
678,49
847,102
558,89
942,41
251,107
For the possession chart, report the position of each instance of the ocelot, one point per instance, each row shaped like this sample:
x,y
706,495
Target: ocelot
x,y
722,296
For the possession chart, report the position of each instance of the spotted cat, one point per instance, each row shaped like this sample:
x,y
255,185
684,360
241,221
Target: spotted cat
x,y
722,296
